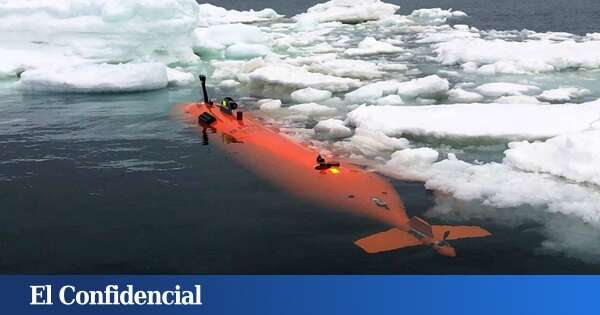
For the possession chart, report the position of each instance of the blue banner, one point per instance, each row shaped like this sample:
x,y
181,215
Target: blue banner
x,y
299,294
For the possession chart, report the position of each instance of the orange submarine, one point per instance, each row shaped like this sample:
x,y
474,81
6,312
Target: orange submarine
x,y
305,173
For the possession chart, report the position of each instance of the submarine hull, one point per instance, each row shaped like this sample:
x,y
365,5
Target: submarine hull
x,y
301,171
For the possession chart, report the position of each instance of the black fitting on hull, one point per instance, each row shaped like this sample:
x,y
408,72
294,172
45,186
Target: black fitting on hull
x,y
204,92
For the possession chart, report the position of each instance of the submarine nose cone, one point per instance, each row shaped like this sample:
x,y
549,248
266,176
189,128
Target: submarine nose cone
x,y
447,251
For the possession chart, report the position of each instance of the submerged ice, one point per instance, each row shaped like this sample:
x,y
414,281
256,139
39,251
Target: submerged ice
x,y
501,119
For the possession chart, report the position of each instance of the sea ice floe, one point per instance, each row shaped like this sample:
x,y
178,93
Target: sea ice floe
x,y
371,46
502,191
371,92
427,87
500,185
498,89
572,156
236,33
292,77
411,164
425,101
101,16
311,60
228,84
269,104
323,48
310,95
518,99
100,31
306,22
213,15
554,36
435,16
178,77
246,51
295,43
234,69
350,11
332,129
14,61
358,69
394,67
493,184
514,57
235,41
447,34
99,78
313,110
563,95
500,121
458,95
370,143
390,100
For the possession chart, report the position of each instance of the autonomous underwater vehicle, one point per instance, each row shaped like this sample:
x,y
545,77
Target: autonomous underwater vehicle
x,y
307,174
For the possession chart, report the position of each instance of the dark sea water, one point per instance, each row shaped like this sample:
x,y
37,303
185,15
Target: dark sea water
x,y
117,184
576,16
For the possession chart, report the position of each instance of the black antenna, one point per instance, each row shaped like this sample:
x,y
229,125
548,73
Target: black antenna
x,y
203,81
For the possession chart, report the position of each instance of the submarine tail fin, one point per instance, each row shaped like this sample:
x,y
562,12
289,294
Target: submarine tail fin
x,y
394,238
386,241
451,232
